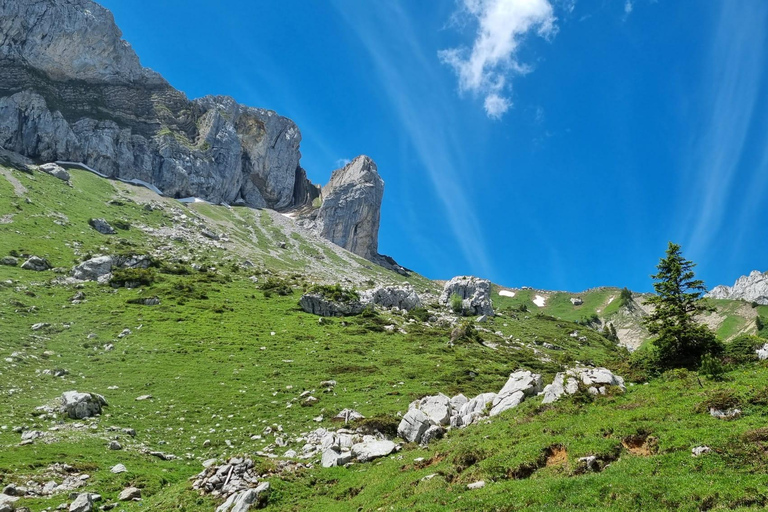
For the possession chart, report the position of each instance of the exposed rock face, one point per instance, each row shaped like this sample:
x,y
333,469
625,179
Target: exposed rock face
x,y
474,292
36,263
752,288
520,385
351,208
72,90
93,269
403,297
81,405
316,304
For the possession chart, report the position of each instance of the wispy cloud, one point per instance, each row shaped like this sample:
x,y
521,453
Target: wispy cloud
x,y
628,7
735,71
342,162
487,67
418,101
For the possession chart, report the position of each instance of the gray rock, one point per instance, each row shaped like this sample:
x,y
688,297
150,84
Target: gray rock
x,y
93,269
437,408
474,292
83,503
9,261
129,493
762,353
114,445
413,425
726,414
552,392
31,435
36,263
597,377
56,171
370,450
700,450
118,468
316,304
332,457
475,408
351,208
458,401
577,301
81,405
476,485
403,297
432,433
519,385
102,226
752,288
347,415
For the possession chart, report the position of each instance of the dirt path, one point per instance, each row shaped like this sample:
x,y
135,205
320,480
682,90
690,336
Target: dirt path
x,y
18,188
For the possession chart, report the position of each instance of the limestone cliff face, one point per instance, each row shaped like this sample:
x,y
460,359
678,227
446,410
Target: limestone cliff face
x,y
752,288
71,89
351,204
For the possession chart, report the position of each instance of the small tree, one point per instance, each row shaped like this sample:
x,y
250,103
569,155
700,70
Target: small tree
x,y
626,297
680,340
457,303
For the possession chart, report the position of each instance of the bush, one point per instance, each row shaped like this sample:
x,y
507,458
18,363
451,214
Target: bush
x,y
712,367
420,314
335,293
721,399
743,349
457,303
465,332
278,286
132,277
121,224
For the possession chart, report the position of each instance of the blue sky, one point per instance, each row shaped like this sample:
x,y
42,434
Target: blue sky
x,y
550,143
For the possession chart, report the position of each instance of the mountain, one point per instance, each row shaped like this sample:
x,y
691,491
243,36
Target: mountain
x,y
72,90
751,288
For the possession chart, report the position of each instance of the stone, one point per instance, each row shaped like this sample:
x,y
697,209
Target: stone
x,y
597,377
576,301
413,425
81,405
437,408
552,392
350,213
433,432
129,494
55,170
700,450
475,408
102,226
520,385
458,401
752,288
332,457
30,435
9,261
93,269
347,415
475,294
476,485
762,353
316,304
83,503
727,414
402,297
118,468
36,263
114,445
368,451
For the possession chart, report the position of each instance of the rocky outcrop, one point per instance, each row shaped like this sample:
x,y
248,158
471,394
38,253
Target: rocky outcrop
x,y
752,288
474,292
72,90
36,263
316,304
402,297
81,405
350,212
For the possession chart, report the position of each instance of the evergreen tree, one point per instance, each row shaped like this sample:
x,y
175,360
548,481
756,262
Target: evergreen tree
x,y
680,341
626,297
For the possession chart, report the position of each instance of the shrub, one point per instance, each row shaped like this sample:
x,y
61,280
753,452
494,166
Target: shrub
x,y
465,332
369,312
384,424
457,303
712,367
121,224
335,293
278,286
721,399
743,349
420,314
132,277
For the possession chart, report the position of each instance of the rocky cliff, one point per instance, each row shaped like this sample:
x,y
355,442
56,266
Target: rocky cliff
x,y
71,89
752,288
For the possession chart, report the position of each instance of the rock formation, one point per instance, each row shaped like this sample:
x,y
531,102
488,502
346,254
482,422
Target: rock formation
x,y
752,288
72,90
475,294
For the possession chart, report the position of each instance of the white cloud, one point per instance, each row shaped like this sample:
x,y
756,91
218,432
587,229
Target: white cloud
x,y
502,24
628,7
342,162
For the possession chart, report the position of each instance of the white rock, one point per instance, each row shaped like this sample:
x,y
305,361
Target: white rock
x,y
476,485
367,451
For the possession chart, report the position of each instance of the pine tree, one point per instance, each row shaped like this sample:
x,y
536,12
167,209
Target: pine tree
x,y
680,340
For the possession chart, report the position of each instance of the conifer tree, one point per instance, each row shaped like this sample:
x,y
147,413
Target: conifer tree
x,y
680,340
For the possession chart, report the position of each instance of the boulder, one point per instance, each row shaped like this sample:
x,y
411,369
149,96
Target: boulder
x,y
347,415
9,261
316,304
81,405
36,263
475,294
520,385
552,392
55,170
332,457
597,377
433,432
83,503
458,401
129,494
403,297
762,353
475,408
437,408
93,269
102,226
413,425
370,450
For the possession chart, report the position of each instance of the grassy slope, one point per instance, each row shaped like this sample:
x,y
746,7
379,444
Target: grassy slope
x,y
221,361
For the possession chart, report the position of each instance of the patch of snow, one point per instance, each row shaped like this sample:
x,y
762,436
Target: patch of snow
x,y
540,300
611,299
191,200
506,293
